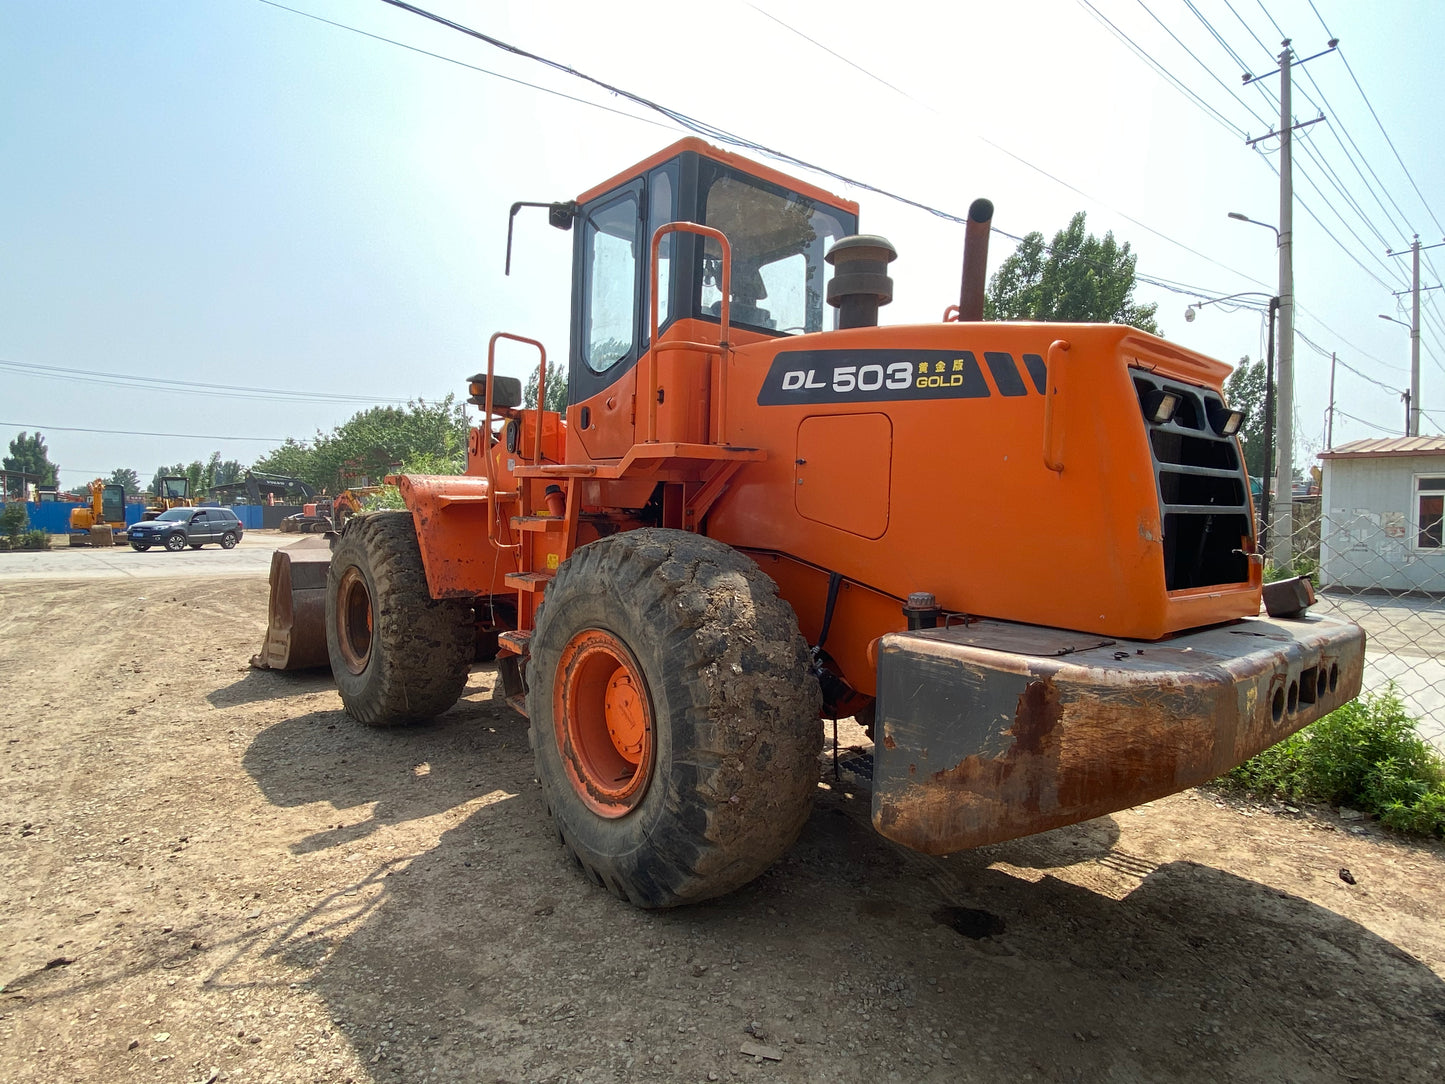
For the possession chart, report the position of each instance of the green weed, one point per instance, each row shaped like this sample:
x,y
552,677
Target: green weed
x,y
1366,755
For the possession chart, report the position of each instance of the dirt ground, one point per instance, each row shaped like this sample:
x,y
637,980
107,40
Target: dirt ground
x,y
209,873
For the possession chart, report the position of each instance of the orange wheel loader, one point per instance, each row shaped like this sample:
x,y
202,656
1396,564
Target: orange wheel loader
x,y
1025,553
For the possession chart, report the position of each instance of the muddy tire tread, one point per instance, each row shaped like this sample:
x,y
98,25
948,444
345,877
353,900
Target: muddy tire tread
x,y
725,662
421,648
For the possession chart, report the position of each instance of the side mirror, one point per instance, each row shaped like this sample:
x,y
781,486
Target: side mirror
x,y
506,391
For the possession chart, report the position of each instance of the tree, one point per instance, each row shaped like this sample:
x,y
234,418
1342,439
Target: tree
x,y
1078,278
28,455
1244,391
556,388
422,438
124,476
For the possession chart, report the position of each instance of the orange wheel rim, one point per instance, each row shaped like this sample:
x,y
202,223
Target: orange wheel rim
x,y
604,722
353,620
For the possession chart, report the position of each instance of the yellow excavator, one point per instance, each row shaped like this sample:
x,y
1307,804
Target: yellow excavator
x,y
102,521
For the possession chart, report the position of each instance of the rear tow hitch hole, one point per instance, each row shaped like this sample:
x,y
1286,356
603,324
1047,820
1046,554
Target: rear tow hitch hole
x,y
1276,707
1334,676
970,922
1293,697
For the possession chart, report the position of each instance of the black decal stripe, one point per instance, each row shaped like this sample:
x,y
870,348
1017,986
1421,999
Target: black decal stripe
x,y
1038,371
1005,373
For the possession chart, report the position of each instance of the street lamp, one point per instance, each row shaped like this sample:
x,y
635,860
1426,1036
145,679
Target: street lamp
x,y
1192,309
1245,218
1412,423
1189,312
1283,550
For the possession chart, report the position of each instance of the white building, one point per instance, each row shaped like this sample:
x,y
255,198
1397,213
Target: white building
x,y
1382,502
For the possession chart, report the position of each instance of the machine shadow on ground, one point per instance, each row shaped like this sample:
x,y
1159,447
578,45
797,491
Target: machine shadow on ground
x,y
490,956
392,774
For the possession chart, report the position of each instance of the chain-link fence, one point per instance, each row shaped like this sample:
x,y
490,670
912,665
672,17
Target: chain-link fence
x,y
1383,568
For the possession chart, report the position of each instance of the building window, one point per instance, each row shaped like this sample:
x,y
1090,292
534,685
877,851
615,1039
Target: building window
x,y
1430,511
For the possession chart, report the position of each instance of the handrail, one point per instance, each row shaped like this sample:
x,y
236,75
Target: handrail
x,y
721,349
1053,417
495,517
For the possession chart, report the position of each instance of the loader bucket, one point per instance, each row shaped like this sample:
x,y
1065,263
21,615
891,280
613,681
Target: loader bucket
x,y
296,613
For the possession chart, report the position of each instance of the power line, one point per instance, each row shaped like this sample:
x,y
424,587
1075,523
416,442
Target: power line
x,y
1163,72
1379,428
712,131
136,433
1208,70
1270,17
1250,29
193,387
1390,141
1337,127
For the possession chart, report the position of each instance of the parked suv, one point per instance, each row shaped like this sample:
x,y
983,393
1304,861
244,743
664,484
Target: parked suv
x,y
182,527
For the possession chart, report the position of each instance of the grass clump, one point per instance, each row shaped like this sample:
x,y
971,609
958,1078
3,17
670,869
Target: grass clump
x,y
1366,755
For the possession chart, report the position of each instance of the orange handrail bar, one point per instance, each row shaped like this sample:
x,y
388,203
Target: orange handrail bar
x,y
721,349
1053,416
492,520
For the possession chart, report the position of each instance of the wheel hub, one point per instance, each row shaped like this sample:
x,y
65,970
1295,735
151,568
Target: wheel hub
x,y
354,620
603,716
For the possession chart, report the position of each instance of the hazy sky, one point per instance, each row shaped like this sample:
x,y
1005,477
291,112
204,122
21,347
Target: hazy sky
x,y
225,192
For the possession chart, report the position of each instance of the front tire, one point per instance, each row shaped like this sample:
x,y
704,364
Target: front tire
x,y
175,542
674,717
398,655
140,547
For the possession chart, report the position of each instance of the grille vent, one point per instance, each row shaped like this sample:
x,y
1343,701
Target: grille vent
x,y
1203,492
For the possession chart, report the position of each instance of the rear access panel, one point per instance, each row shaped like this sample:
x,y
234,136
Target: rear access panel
x,y
993,730
841,473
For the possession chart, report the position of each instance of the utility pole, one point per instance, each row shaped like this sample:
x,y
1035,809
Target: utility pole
x,y
1415,344
1282,540
1413,430
1284,469
1330,417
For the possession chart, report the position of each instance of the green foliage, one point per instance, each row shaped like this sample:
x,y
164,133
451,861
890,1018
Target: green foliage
x,y
124,476
13,520
556,388
1304,564
28,455
1366,755
1244,390
1079,278
14,529
422,438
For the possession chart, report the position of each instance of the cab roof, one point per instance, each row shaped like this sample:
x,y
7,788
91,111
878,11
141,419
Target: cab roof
x,y
727,158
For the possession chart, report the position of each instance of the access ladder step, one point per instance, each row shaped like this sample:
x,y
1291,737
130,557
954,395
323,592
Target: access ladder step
x,y
538,523
528,581
514,641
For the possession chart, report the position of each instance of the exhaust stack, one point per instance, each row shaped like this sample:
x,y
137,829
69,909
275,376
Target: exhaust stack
x,y
975,260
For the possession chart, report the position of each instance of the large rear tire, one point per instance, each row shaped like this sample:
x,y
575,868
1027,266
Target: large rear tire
x,y
398,655
674,718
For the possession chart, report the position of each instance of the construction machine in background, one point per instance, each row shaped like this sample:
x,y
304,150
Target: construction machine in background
x,y
101,522
349,502
173,491
328,513
1023,553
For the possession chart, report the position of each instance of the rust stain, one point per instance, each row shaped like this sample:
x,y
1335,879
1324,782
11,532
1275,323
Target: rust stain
x,y
888,742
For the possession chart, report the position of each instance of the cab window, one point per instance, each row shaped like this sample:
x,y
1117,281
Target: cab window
x,y
611,293
661,209
778,238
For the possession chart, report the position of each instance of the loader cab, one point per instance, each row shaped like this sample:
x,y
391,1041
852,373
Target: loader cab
x,y
779,230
